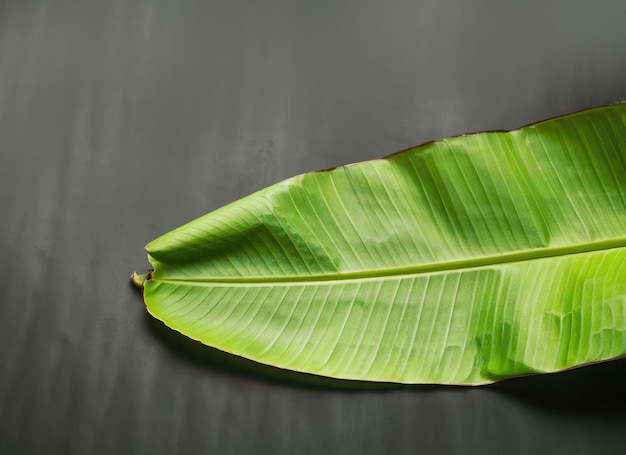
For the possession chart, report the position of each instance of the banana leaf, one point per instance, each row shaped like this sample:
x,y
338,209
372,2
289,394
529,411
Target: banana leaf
x,y
461,261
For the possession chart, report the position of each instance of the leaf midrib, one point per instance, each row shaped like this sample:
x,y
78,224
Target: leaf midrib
x,y
470,263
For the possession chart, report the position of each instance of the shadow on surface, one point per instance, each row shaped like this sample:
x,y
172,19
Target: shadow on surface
x,y
215,360
592,388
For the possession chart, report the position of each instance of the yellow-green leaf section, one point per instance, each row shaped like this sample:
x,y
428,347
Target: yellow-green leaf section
x,y
461,261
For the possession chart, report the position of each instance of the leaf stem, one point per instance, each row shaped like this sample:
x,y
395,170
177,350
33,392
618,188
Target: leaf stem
x,y
139,280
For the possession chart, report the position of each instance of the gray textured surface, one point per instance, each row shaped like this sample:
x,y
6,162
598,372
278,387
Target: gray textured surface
x,y
122,119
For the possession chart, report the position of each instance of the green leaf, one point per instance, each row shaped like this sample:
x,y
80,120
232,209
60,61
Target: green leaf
x,y
461,261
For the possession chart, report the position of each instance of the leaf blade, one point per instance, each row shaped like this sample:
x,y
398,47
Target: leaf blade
x,y
337,243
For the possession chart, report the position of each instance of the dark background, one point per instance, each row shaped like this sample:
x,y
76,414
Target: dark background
x,y
121,120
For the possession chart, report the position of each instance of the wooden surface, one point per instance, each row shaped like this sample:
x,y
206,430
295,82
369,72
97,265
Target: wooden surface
x,y
121,120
